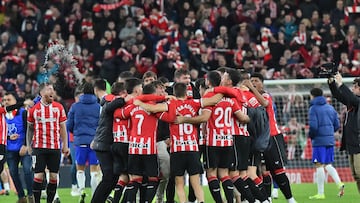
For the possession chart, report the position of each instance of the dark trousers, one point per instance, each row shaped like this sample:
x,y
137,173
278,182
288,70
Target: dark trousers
x,y
109,179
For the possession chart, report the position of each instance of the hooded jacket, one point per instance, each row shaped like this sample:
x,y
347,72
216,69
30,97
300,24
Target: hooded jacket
x,y
323,122
83,119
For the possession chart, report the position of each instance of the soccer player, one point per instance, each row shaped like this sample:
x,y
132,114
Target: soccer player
x,y
142,160
16,148
323,122
219,139
274,156
83,119
46,128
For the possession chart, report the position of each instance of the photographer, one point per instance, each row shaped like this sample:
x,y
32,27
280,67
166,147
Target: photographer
x,y
351,136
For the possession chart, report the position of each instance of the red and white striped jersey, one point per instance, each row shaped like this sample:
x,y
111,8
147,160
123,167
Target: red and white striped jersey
x,y
46,120
274,129
183,136
219,126
143,131
240,128
252,102
121,127
3,127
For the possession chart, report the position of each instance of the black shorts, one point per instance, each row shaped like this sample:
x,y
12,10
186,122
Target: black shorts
x,y
46,158
143,165
242,147
2,156
185,161
275,157
218,157
120,153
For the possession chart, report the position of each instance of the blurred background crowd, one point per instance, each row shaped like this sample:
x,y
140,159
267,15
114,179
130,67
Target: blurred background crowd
x,y
282,39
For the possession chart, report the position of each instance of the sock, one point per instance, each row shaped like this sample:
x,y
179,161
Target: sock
x,y
131,190
118,190
243,188
170,190
80,176
256,188
283,182
51,190
267,184
143,188
37,185
228,188
214,187
191,195
93,181
151,188
7,186
320,179
333,173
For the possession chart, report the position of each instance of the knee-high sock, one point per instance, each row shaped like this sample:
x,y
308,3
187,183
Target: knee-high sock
x,y
283,182
333,173
243,188
170,190
37,185
131,190
118,190
93,181
80,176
51,190
151,188
267,183
228,188
257,189
320,179
214,187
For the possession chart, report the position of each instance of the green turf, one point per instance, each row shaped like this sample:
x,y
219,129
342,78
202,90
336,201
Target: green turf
x,y
300,191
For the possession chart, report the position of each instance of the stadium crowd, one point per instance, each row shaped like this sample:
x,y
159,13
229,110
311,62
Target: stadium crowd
x,y
171,39
281,39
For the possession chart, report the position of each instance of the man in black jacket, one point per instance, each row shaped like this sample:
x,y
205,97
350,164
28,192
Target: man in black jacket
x,y
351,132
102,142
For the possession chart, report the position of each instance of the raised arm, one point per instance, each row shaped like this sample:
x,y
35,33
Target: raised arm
x,y
264,102
211,101
152,108
205,115
110,107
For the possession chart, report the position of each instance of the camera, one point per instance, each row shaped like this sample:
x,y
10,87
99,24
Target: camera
x,y
328,70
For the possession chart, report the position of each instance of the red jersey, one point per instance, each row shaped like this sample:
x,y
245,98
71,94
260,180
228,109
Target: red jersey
x,y
240,128
183,136
121,127
46,120
143,130
274,129
219,126
3,127
252,102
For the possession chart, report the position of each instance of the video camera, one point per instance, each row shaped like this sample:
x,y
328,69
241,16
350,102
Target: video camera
x,y
328,70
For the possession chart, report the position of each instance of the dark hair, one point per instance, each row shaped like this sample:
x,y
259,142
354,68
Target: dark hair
x,y
163,79
258,75
316,92
117,87
13,94
222,69
42,86
157,83
200,83
131,83
357,81
100,84
77,91
149,89
180,89
149,74
244,75
87,88
126,74
214,78
234,76
178,73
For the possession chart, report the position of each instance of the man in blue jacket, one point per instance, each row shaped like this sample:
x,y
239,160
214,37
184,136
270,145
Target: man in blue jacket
x,y
82,121
323,122
16,121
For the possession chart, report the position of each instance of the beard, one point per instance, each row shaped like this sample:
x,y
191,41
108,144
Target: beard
x,y
48,99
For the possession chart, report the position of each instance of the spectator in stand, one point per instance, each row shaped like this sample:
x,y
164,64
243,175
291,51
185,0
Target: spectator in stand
x,y
323,122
